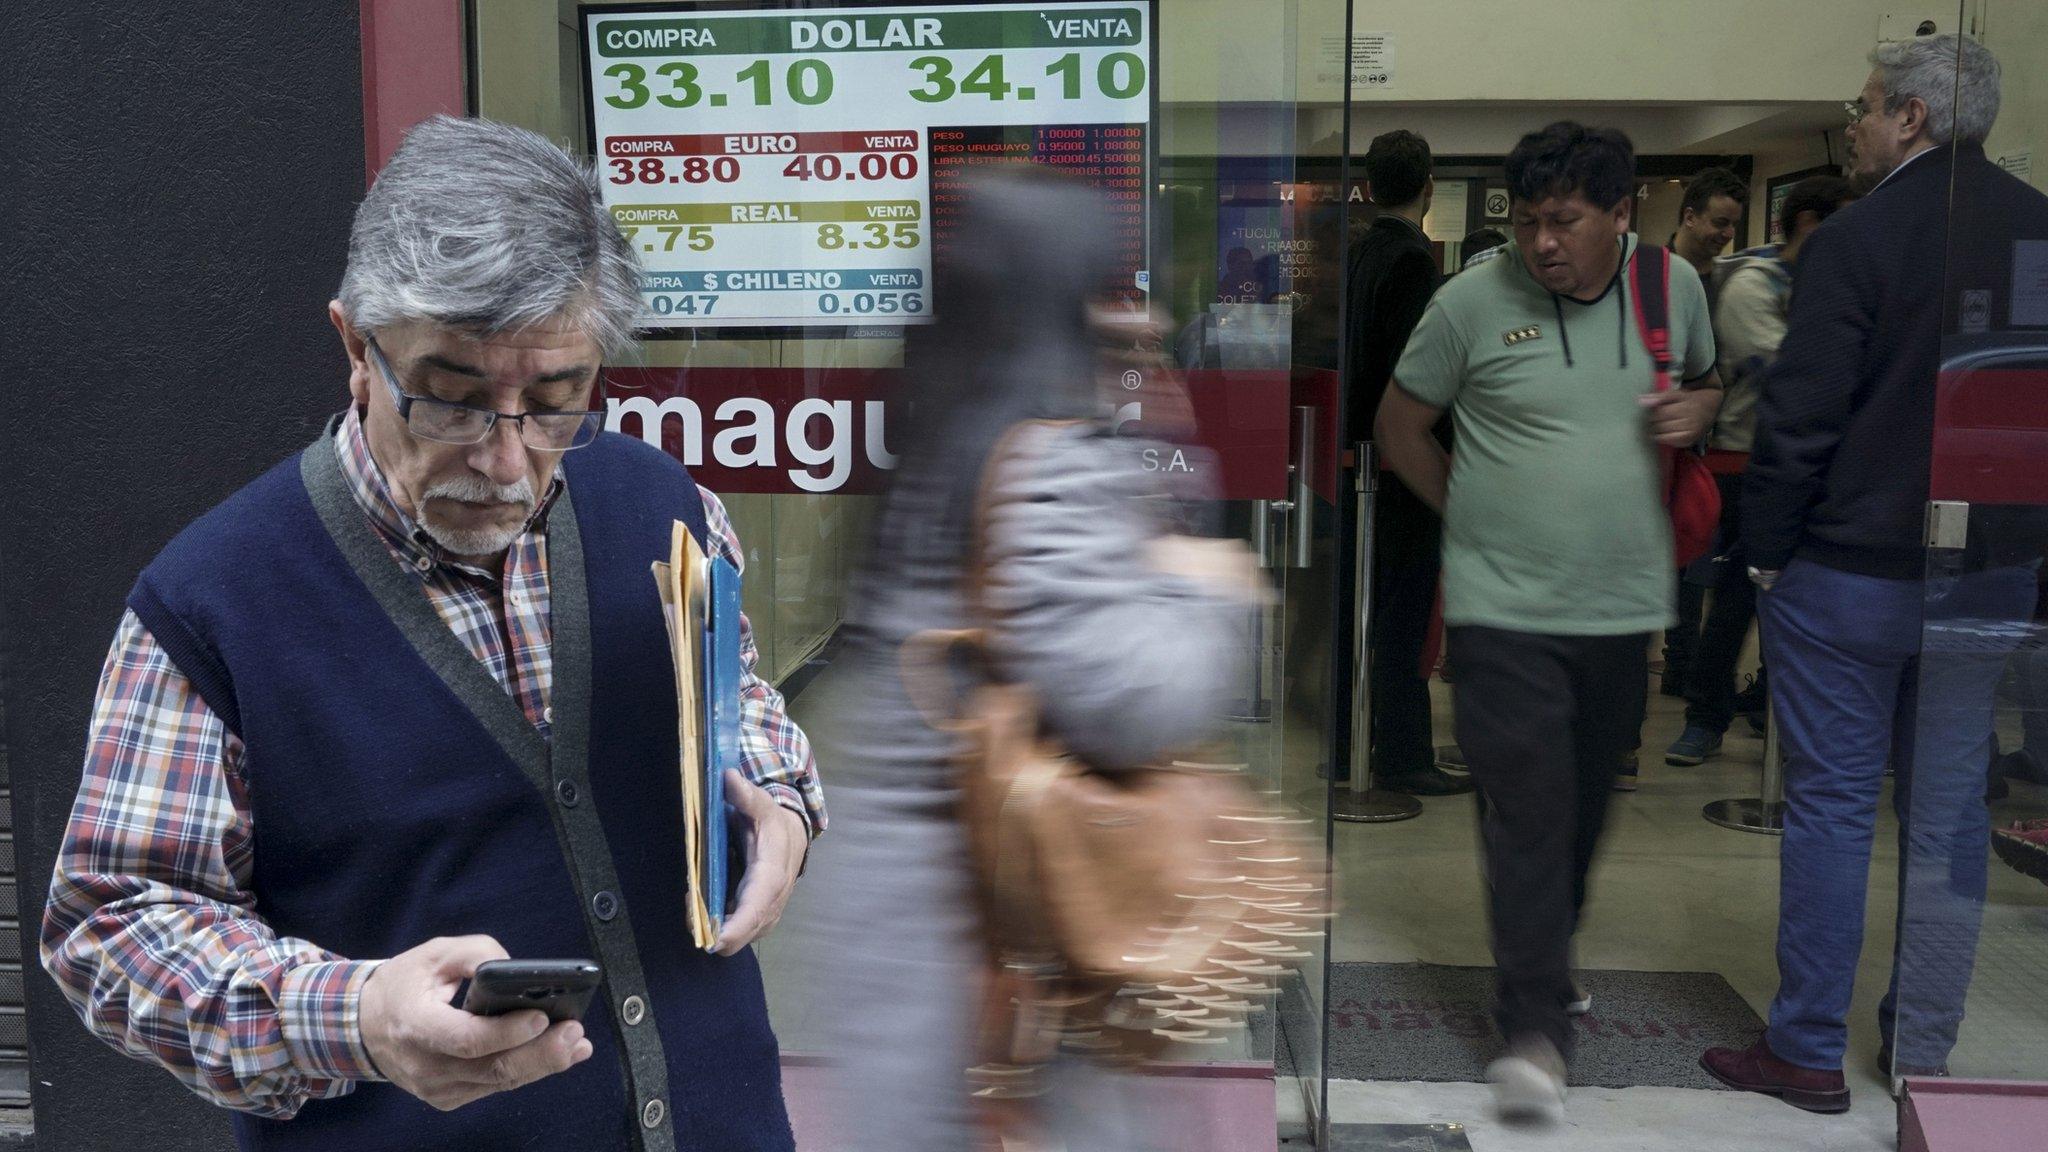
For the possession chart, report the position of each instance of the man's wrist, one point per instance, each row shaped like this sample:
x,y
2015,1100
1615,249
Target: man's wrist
x,y
790,799
320,1010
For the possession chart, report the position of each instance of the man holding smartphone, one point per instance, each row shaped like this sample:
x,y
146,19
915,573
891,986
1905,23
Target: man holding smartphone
x,y
404,705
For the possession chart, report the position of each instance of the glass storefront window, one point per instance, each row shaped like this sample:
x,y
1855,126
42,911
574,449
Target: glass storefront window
x,y
1973,925
1209,128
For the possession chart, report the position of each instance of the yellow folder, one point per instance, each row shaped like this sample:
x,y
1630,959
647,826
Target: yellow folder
x,y
684,589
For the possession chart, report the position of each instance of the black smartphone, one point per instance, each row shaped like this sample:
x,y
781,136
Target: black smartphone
x,y
560,988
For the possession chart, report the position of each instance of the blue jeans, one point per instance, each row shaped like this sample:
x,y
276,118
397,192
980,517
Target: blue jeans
x,y
1866,672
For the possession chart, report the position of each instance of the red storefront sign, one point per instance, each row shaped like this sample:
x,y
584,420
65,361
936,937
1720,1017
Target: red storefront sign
x,y
1991,435
789,430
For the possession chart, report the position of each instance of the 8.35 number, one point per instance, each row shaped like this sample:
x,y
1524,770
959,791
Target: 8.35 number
x,y
833,237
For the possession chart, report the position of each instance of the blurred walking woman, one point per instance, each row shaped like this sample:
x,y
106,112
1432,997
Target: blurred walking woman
x,y
1128,632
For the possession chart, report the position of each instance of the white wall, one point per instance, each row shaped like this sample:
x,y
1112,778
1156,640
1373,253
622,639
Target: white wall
x,y
1628,50
1796,155
2017,30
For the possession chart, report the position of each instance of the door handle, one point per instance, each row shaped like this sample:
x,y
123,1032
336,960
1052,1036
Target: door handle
x,y
1302,502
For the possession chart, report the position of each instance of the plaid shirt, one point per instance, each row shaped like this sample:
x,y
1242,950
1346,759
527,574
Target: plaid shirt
x,y
151,928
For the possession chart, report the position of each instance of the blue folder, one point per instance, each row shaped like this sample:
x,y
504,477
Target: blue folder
x,y
721,727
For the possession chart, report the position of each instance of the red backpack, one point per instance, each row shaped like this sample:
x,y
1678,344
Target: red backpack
x,y
1690,494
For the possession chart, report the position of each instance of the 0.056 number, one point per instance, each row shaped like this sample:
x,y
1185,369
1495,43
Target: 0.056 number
x,y
871,303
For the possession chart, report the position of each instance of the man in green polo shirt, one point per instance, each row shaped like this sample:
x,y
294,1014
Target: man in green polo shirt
x,y
1557,548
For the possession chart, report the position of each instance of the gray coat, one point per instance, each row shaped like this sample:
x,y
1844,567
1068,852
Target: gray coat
x,y
1128,662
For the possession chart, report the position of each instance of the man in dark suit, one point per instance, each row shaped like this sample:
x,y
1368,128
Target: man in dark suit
x,y
1884,652
1393,273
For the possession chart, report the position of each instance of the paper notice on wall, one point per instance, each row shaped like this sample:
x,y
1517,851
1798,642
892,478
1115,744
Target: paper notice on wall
x,y
1372,61
1446,219
2030,284
2020,164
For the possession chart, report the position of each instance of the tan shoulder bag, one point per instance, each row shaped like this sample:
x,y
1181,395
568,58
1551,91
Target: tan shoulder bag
x,y
1121,910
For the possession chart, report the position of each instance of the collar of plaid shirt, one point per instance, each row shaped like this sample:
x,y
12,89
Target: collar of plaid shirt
x,y
408,539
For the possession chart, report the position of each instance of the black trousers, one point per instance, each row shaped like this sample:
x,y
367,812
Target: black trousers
x,y
1710,677
1407,558
1543,721
1682,641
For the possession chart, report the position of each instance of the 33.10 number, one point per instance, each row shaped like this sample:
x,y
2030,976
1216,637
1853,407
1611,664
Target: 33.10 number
x,y
805,81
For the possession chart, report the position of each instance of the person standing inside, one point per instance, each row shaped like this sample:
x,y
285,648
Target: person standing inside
x,y
1753,296
1708,219
1834,514
1557,547
1393,273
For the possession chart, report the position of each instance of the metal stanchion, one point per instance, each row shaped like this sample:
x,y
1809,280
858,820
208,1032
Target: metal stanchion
x,y
1356,800
1764,812
1256,706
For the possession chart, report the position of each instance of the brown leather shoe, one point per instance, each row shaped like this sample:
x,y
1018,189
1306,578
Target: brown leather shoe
x,y
1756,1069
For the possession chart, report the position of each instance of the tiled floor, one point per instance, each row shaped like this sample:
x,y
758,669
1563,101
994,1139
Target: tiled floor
x,y
1673,892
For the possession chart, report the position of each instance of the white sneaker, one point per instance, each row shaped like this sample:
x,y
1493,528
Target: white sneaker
x,y
1528,1082
1580,1003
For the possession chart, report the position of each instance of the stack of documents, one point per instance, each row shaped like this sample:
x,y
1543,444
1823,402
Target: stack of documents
x,y
700,597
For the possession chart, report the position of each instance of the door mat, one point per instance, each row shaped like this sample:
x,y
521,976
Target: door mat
x,y
1434,1022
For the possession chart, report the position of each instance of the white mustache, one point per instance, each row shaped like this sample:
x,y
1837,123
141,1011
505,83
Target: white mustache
x,y
477,490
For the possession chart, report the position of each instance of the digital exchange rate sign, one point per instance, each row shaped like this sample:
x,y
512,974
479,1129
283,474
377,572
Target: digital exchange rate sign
x,y
797,168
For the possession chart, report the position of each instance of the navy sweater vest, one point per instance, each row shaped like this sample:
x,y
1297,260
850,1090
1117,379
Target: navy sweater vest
x,y
399,794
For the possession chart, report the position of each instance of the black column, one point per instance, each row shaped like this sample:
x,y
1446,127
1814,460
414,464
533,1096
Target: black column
x,y
176,194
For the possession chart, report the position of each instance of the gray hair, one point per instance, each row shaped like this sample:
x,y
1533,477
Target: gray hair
x,y
1955,76
487,227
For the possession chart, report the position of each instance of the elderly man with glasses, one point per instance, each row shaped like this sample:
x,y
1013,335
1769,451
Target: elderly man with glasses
x,y
405,705
1885,654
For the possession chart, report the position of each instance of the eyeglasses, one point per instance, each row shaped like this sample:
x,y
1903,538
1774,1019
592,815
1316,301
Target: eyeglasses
x,y
447,422
1857,109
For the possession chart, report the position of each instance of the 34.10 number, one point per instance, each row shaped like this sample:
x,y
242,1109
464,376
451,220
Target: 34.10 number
x,y
1118,75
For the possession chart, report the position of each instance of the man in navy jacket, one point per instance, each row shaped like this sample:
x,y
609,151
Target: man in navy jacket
x,y
1876,658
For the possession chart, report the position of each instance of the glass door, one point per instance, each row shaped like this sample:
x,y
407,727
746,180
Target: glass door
x,y
1973,871
1213,127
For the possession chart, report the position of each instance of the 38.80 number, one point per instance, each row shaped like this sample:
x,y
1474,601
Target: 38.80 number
x,y
692,170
